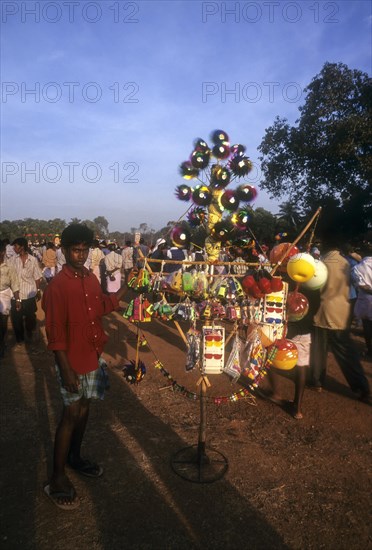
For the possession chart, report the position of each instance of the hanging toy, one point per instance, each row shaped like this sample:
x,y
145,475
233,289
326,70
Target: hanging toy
x,y
134,373
301,267
193,349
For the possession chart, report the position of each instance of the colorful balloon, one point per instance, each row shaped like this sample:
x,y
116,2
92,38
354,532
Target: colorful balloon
x,y
297,306
301,267
283,354
319,279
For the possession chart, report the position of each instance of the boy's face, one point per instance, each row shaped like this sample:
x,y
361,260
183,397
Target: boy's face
x,y
76,255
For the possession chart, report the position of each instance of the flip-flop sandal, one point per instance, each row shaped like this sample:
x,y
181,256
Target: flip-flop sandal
x,y
87,468
75,502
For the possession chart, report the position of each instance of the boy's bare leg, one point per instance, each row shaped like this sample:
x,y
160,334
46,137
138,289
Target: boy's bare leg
x,y
300,380
59,482
74,454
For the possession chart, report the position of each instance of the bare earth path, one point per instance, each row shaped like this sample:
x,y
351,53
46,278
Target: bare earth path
x,y
290,484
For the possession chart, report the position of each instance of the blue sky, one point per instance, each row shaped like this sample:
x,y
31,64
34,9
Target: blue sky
x,y
122,89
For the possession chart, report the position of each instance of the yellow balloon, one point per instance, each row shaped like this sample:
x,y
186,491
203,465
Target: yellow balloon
x,y
301,267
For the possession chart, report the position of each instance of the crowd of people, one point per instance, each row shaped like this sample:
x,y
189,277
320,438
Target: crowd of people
x,y
84,279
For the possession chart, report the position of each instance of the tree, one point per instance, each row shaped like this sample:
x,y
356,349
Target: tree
x,y
326,156
101,225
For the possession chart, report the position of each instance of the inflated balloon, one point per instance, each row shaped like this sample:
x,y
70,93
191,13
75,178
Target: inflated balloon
x,y
241,218
229,200
222,231
180,237
220,176
240,165
283,354
301,267
276,284
319,279
201,145
277,252
297,306
200,159
221,151
202,195
217,136
183,192
196,216
238,149
188,171
246,193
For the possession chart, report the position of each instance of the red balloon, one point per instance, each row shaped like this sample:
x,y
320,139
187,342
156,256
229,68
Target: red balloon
x,y
277,252
297,306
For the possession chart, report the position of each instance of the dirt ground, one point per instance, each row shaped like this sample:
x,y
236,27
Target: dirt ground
x,y
289,485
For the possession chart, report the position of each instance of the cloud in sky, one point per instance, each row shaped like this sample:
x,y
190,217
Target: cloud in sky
x,y
121,89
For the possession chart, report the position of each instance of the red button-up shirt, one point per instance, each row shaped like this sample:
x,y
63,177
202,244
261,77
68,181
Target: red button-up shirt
x,y
74,306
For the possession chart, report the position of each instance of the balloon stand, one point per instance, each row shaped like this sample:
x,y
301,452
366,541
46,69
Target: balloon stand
x,y
194,463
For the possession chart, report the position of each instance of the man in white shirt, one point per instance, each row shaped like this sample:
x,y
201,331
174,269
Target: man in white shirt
x,y
30,277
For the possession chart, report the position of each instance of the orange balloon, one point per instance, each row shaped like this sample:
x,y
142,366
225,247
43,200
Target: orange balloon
x,y
283,354
277,252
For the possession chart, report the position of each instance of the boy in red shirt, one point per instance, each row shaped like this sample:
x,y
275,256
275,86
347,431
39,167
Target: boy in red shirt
x,y
74,305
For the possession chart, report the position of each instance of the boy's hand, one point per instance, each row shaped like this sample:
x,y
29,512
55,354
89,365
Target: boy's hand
x,y
70,380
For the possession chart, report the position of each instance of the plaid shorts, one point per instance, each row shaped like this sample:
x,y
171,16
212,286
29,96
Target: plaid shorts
x,y
92,385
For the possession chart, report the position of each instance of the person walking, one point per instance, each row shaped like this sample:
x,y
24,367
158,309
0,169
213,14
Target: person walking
x,y
331,325
30,278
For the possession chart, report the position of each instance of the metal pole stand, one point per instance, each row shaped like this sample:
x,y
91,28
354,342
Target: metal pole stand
x,y
193,463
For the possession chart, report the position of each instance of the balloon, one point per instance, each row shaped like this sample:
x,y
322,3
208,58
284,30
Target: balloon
x,y
246,193
196,216
277,252
319,278
221,151
220,176
180,236
283,354
218,136
241,218
301,267
229,200
240,166
188,171
183,192
200,159
297,306
202,195
222,231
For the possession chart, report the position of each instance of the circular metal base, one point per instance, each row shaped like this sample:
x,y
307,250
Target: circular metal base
x,y
193,464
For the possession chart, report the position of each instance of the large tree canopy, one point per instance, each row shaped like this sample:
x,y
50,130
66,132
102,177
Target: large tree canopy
x,y
326,157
